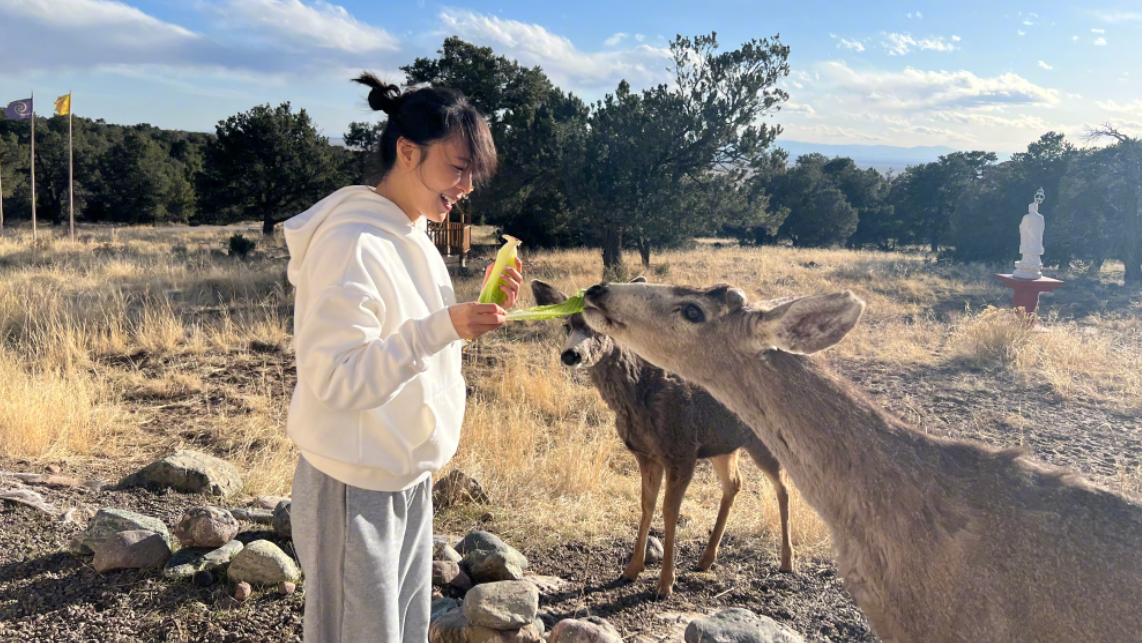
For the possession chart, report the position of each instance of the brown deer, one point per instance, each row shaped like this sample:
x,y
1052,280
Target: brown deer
x,y
668,425
938,540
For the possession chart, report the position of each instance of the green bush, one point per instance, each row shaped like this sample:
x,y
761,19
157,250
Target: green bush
x,y
241,247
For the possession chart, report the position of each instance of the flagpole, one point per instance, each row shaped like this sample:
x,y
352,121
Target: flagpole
x,y
1,197
33,101
70,170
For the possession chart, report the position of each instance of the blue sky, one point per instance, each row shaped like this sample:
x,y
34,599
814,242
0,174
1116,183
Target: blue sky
x,y
968,74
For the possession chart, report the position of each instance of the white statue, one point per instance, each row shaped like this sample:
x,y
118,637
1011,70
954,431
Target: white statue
x,y
1031,241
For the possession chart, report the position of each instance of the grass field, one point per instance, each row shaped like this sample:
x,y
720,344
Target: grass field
x,y
125,344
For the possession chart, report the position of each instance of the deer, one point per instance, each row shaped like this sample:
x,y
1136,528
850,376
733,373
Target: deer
x,y
938,540
668,425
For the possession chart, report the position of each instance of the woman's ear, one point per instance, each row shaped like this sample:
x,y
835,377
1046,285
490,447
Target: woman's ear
x,y
408,153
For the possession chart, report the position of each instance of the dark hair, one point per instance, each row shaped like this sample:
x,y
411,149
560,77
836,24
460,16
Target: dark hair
x,y
426,115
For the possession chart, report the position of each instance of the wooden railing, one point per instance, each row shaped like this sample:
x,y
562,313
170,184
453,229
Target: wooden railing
x,y
451,238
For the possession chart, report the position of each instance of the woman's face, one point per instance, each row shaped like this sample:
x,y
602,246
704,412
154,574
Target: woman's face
x,y
442,179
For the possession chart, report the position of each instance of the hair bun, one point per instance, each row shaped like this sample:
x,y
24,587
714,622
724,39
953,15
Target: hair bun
x,y
383,97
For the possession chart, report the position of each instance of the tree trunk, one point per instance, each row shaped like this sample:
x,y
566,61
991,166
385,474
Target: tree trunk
x,y
644,252
612,248
268,226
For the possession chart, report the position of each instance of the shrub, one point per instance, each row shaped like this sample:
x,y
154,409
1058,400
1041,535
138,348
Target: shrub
x,y
241,247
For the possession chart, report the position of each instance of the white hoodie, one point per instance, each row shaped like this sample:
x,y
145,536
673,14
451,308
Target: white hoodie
x,y
379,397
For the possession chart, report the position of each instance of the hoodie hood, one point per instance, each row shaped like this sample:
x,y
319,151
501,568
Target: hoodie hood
x,y
355,204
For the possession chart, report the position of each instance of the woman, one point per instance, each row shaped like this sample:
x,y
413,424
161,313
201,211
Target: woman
x,y
380,397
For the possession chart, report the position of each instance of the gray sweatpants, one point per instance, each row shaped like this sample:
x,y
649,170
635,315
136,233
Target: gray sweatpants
x,y
367,558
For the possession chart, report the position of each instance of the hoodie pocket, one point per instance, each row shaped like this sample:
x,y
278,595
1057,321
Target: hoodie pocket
x,y
447,409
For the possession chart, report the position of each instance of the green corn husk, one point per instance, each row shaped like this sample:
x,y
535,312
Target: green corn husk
x,y
574,304
491,293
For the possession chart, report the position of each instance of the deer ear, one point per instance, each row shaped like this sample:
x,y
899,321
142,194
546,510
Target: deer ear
x,y
638,280
809,324
545,294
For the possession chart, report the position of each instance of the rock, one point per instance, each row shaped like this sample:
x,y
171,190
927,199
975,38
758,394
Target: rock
x,y
285,588
462,583
263,563
206,527
457,487
587,630
548,585
204,578
443,572
108,522
737,625
448,627
489,566
479,540
267,502
487,517
242,591
282,526
445,539
540,626
442,551
188,472
526,634
259,516
440,606
502,605
136,549
190,561
654,551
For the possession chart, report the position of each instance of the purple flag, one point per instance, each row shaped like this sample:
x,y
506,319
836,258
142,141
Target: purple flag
x,y
19,110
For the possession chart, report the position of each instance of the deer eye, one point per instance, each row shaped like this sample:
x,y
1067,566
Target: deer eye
x,y
693,313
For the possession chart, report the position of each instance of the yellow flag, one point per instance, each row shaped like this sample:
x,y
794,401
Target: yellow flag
x,y
63,105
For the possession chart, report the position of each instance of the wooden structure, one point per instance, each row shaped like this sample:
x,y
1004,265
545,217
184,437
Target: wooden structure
x,y
453,237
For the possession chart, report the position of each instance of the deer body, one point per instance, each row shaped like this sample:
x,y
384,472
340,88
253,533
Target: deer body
x,y
938,540
668,424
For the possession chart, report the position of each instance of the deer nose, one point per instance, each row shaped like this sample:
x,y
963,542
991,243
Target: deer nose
x,y
571,358
597,290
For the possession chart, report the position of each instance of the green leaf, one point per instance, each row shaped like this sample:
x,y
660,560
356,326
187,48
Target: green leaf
x,y
572,305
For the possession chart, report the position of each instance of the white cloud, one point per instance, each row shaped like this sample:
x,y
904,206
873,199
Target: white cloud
x,y
832,35
1021,32
1074,96
567,66
1112,106
639,37
1119,16
850,44
1098,30
1045,65
1074,38
1027,23
955,38
799,108
899,44
90,33
915,14
322,24
835,132
1100,42
615,39
915,89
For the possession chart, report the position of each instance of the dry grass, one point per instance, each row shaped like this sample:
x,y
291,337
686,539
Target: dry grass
x,y
128,344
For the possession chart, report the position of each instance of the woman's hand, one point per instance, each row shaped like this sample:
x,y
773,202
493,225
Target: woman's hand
x,y
474,319
513,280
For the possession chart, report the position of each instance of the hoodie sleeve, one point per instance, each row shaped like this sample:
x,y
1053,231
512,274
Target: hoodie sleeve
x,y
347,364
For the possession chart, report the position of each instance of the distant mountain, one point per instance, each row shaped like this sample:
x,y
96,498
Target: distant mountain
x,y
881,157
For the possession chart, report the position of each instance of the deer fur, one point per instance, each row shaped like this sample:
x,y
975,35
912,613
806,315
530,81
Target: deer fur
x,y
938,540
668,424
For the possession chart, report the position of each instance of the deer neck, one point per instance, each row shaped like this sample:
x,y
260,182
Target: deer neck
x,y
850,460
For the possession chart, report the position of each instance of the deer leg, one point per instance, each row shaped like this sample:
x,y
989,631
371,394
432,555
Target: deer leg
x,y
772,469
726,466
651,483
677,480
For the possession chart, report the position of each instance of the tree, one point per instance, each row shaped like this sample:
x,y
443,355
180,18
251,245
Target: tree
x,y
641,150
1128,201
268,163
925,196
819,212
143,184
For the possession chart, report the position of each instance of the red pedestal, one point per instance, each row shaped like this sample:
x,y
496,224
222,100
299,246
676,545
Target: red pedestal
x,y
1027,291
